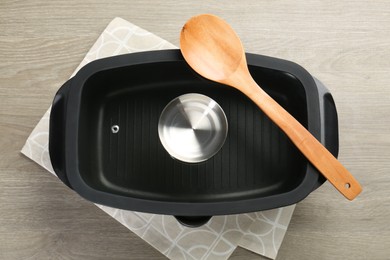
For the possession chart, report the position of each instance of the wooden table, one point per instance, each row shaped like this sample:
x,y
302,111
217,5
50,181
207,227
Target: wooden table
x,y
346,44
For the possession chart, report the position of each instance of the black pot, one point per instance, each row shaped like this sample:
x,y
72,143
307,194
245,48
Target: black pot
x,y
258,168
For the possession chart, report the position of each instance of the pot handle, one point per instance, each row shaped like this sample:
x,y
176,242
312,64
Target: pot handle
x,y
329,123
57,132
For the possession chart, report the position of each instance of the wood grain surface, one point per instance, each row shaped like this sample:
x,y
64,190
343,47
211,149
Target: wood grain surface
x,y
346,44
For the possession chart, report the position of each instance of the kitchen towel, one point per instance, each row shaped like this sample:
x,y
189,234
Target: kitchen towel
x,y
260,232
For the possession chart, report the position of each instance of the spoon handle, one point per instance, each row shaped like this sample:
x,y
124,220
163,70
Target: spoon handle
x,y
310,147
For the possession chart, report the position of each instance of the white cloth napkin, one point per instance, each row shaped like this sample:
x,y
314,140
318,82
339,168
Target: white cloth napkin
x,y
260,232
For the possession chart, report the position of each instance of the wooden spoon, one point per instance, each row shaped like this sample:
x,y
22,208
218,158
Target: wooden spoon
x,y
212,48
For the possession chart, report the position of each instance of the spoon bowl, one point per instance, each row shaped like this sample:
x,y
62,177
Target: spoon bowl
x,y
212,48
214,64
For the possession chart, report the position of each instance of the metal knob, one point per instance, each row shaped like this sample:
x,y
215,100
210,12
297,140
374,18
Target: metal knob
x,y
192,128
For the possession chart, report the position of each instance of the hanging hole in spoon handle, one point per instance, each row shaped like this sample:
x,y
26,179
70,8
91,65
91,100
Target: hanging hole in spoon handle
x,y
212,48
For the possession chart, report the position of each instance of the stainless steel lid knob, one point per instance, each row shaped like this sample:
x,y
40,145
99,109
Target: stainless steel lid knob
x,y
192,128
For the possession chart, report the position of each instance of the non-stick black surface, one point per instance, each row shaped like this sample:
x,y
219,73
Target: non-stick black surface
x,y
256,159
